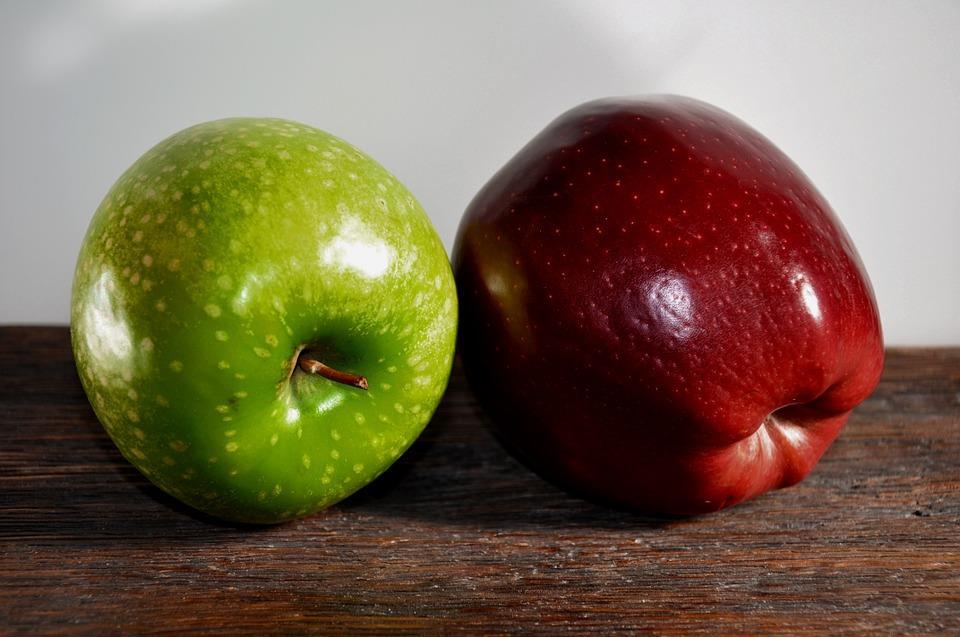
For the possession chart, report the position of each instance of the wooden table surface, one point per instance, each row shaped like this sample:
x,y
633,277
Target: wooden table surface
x,y
460,538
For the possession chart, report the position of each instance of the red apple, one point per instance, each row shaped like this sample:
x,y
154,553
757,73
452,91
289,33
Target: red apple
x,y
660,311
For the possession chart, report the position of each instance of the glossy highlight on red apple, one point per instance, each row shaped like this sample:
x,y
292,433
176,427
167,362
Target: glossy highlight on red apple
x,y
660,311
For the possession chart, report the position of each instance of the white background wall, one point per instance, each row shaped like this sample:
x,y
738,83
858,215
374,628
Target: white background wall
x,y
864,95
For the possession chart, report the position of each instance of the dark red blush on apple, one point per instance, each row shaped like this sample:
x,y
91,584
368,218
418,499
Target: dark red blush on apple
x,y
659,310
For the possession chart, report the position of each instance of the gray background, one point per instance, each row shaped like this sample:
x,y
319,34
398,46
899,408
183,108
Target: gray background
x,y
864,95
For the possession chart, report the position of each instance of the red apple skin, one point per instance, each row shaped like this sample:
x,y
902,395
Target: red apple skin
x,y
660,311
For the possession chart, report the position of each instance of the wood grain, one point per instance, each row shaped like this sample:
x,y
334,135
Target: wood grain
x,y
459,538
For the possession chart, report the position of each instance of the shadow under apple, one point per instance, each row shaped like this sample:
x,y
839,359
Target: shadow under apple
x,y
458,474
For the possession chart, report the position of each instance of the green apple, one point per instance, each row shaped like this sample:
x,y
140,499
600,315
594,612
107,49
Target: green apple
x,y
263,318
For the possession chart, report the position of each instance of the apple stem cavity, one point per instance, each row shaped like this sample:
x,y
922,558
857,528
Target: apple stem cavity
x,y
313,366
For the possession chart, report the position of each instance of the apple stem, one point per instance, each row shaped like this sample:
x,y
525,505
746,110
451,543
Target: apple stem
x,y
313,366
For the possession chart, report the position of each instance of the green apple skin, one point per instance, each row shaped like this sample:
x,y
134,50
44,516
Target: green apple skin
x,y
210,264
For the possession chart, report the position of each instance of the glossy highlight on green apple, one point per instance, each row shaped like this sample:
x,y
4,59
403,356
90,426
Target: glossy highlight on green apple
x,y
234,288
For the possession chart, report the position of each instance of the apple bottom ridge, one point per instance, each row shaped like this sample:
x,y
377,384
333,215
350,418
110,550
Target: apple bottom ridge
x,y
673,481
